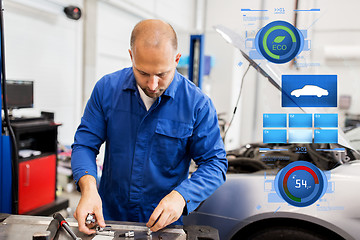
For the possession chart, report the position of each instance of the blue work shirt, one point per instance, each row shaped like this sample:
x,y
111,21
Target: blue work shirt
x,y
148,153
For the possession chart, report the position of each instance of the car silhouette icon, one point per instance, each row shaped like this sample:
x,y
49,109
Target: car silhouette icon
x,y
310,90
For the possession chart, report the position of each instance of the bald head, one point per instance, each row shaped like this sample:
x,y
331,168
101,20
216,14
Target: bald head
x,y
154,56
153,33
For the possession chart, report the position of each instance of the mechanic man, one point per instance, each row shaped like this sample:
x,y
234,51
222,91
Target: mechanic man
x,y
154,121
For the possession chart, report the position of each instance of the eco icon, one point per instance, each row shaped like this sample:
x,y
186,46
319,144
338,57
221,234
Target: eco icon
x,y
279,42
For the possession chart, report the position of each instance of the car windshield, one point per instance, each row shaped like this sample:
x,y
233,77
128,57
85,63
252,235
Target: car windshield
x,y
345,151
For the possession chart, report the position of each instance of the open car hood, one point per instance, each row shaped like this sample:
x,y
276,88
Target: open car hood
x,y
270,71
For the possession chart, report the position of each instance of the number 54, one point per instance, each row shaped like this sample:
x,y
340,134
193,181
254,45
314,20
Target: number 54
x,y
299,183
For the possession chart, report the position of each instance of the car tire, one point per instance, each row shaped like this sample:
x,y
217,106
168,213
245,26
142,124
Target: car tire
x,y
285,233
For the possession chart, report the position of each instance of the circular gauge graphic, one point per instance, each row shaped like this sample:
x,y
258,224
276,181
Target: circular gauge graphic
x,y
279,42
300,183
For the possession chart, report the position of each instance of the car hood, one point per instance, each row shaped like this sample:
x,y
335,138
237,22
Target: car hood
x,y
268,70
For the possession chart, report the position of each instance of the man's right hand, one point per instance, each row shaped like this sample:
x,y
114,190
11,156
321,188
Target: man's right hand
x,y
90,202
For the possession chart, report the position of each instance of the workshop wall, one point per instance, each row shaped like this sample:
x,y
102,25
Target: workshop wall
x,y
115,20
65,58
44,46
337,49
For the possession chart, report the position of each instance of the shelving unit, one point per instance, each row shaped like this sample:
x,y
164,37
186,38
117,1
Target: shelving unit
x,y
37,172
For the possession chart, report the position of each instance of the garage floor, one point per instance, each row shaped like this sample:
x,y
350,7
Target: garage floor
x,y
74,198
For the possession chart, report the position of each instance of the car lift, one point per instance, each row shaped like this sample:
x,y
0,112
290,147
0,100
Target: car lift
x,y
5,142
196,59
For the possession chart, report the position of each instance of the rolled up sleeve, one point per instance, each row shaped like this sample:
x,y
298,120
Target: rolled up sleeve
x,y
207,150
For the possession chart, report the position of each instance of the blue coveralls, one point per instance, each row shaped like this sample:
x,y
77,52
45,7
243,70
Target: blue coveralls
x,y
148,153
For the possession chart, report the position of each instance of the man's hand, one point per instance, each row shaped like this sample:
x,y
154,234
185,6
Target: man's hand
x,y
168,211
90,202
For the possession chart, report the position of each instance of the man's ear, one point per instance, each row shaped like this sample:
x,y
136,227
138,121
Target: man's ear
x,y
177,58
130,55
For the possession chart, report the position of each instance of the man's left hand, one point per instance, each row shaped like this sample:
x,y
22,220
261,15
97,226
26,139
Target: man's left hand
x,y
168,211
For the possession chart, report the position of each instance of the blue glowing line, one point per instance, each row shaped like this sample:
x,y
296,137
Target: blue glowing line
x,y
309,10
332,150
271,150
252,10
277,209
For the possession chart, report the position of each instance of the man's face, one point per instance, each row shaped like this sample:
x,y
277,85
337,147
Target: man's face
x,y
154,68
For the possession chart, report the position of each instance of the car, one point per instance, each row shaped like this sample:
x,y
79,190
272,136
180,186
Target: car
x,y
310,90
248,205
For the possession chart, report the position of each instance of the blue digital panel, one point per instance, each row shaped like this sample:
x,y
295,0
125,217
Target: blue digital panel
x,y
307,45
304,33
325,136
325,120
274,136
274,120
254,54
331,187
274,198
309,91
300,136
300,120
